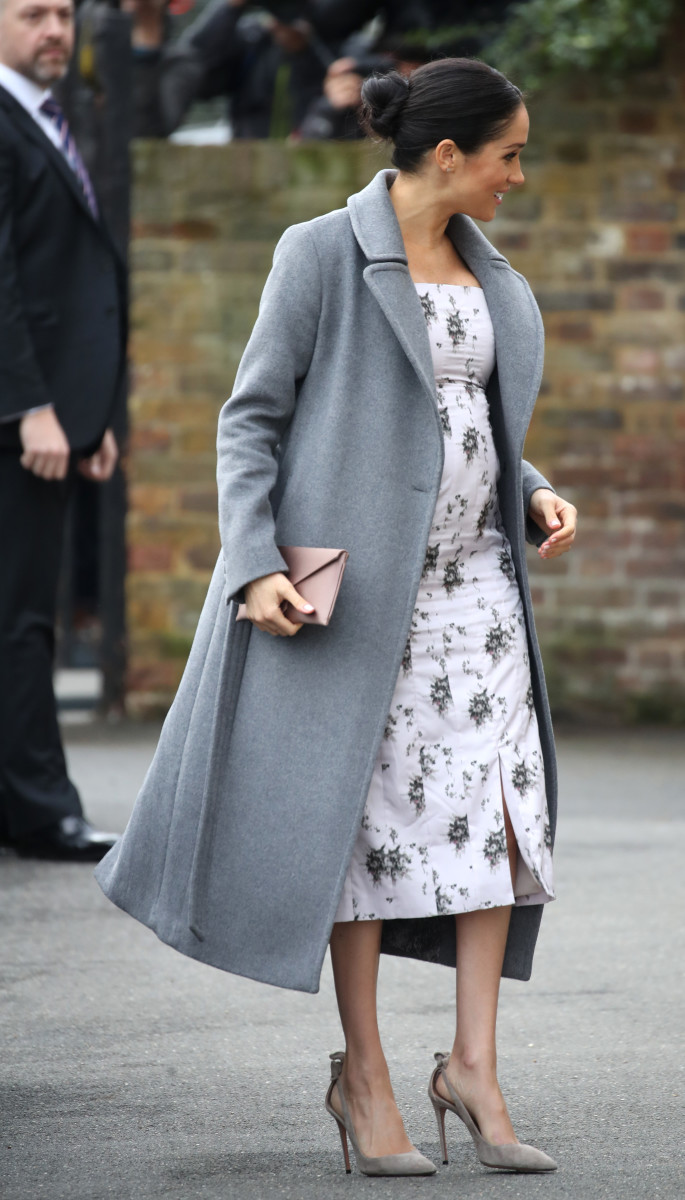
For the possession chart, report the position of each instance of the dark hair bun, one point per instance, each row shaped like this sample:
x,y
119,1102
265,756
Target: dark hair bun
x,y
383,100
462,99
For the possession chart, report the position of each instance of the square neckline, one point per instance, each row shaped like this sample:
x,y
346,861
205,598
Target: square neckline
x,y
474,287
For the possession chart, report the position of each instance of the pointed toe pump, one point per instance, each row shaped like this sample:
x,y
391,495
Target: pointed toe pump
x,y
511,1157
411,1163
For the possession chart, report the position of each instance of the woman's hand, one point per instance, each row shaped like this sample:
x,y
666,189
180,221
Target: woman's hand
x,y
263,600
554,516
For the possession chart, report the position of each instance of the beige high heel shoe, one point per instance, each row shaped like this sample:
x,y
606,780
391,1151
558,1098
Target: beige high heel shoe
x,y
412,1163
510,1157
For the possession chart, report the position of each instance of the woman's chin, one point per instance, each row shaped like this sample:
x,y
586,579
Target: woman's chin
x,y
481,212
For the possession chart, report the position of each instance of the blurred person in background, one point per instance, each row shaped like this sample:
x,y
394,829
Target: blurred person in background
x,y
126,60
62,368
382,37
268,62
166,75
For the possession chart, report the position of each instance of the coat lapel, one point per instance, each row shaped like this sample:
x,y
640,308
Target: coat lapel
x,y
515,318
376,229
33,131
517,325
391,284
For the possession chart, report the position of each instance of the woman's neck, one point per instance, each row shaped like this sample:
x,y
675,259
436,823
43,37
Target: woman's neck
x,y
421,211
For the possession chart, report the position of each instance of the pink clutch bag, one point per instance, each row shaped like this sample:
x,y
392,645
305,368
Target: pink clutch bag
x,y
317,575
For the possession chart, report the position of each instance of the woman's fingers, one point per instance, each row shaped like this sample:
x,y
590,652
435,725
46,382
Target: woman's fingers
x,y
563,537
293,597
264,600
556,517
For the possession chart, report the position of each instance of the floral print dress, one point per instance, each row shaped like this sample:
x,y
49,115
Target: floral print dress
x,y
461,732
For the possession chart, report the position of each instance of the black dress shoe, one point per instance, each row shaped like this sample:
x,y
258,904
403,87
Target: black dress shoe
x,y
71,840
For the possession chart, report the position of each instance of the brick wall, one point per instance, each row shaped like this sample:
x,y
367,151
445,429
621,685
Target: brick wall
x,y
599,231
601,236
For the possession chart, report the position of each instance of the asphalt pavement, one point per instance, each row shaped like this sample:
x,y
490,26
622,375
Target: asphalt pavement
x,y
128,1071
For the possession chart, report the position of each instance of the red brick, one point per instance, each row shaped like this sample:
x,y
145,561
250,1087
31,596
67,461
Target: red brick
x,y
149,437
639,299
597,598
513,241
575,331
572,301
647,570
597,568
626,270
149,556
647,239
637,360
637,120
190,229
202,557
656,659
201,501
664,599
195,230
153,676
639,210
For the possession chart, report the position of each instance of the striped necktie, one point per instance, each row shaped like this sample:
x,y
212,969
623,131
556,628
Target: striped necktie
x,y
70,150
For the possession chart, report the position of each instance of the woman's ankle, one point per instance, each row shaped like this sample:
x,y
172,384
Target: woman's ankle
x,y
470,1063
364,1074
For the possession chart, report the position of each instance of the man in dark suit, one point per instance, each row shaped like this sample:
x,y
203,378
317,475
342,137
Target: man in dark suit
x,y
62,365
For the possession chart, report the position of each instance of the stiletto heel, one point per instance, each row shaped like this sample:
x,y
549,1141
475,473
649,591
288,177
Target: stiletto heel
x,y
509,1157
343,1139
411,1163
440,1118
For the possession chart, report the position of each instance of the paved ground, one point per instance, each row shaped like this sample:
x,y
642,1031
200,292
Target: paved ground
x,y
128,1071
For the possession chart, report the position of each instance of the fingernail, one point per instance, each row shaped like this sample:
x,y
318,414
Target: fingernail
x,y
307,608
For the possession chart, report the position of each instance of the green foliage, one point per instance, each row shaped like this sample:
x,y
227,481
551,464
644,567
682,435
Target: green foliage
x,y
547,38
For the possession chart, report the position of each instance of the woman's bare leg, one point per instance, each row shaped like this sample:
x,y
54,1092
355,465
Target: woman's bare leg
x,y
472,1068
355,952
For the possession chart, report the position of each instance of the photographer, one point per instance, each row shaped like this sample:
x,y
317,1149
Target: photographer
x,y
166,77
413,32
269,64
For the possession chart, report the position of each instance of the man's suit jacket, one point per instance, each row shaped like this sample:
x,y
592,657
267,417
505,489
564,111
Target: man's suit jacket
x,y
63,319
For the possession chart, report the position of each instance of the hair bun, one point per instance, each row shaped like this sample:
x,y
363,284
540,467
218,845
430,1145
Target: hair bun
x,y
383,99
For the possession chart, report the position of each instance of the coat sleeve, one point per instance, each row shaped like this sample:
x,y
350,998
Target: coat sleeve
x,y
531,480
22,386
253,420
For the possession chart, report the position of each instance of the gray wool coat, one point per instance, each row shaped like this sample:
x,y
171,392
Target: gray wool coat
x,y
239,842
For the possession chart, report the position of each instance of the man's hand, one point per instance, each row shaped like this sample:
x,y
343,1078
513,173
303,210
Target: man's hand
x,y
100,466
44,445
343,84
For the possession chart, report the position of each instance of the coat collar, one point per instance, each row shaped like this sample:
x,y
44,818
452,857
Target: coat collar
x,y
378,233
516,321
33,131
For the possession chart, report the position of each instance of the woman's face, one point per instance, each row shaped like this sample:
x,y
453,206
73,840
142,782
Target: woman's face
x,y
481,180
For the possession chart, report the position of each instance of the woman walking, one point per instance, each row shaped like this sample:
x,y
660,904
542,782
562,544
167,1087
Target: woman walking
x,y
386,782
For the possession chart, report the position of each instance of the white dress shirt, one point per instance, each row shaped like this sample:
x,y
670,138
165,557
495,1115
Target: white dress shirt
x,y
30,96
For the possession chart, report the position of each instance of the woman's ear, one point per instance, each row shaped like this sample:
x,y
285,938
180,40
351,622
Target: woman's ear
x,y
447,155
